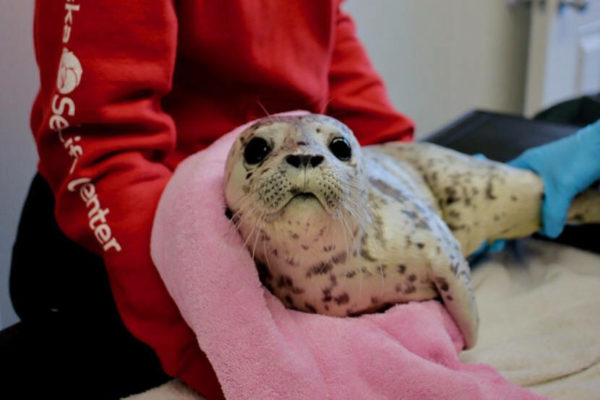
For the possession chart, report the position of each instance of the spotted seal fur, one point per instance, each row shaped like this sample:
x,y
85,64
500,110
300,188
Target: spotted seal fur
x,y
342,230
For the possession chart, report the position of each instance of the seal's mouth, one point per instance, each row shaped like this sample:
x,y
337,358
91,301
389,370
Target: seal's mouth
x,y
304,196
303,199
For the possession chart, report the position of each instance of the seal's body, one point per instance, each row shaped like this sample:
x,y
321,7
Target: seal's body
x,y
342,230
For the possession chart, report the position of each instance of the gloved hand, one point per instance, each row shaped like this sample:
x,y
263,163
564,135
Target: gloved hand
x,y
567,166
487,248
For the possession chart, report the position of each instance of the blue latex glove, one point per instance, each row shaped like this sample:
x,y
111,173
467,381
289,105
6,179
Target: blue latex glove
x,y
567,166
487,247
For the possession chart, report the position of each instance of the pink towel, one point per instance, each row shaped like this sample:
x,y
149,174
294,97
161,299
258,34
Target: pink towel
x,y
261,350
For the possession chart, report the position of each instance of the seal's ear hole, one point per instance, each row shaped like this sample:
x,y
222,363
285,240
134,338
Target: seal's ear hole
x,y
256,150
228,213
340,147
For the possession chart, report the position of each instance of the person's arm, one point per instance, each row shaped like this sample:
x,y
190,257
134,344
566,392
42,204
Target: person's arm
x,y
101,136
357,94
567,166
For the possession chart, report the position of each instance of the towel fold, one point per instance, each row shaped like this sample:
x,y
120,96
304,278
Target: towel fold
x,y
261,350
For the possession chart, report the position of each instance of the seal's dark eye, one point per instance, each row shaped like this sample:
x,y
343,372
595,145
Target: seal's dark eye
x,y
256,150
340,148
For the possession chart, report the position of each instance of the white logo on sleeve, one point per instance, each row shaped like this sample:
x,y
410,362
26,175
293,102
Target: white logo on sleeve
x,y
69,72
63,109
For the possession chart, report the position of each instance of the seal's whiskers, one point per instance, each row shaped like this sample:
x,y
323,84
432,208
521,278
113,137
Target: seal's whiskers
x,y
254,226
258,224
241,204
345,230
266,254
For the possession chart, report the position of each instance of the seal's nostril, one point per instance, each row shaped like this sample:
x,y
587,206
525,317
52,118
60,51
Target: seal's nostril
x,y
316,160
303,160
293,160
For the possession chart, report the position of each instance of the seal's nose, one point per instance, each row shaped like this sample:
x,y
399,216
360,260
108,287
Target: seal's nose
x,y
303,160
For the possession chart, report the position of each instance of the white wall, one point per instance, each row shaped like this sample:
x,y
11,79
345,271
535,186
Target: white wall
x,y
441,58
18,157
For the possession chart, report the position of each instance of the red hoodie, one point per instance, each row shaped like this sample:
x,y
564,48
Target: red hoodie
x,y
130,88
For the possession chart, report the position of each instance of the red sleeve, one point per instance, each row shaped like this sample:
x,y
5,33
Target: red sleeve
x,y
101,137
358,95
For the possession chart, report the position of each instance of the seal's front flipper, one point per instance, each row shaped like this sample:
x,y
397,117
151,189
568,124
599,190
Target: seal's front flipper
x,y
453,282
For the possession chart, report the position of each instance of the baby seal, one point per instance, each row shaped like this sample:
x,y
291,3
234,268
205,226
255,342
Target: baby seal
x,y
342,230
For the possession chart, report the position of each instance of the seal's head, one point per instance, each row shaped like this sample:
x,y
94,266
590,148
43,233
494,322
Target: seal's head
x,y
291,167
